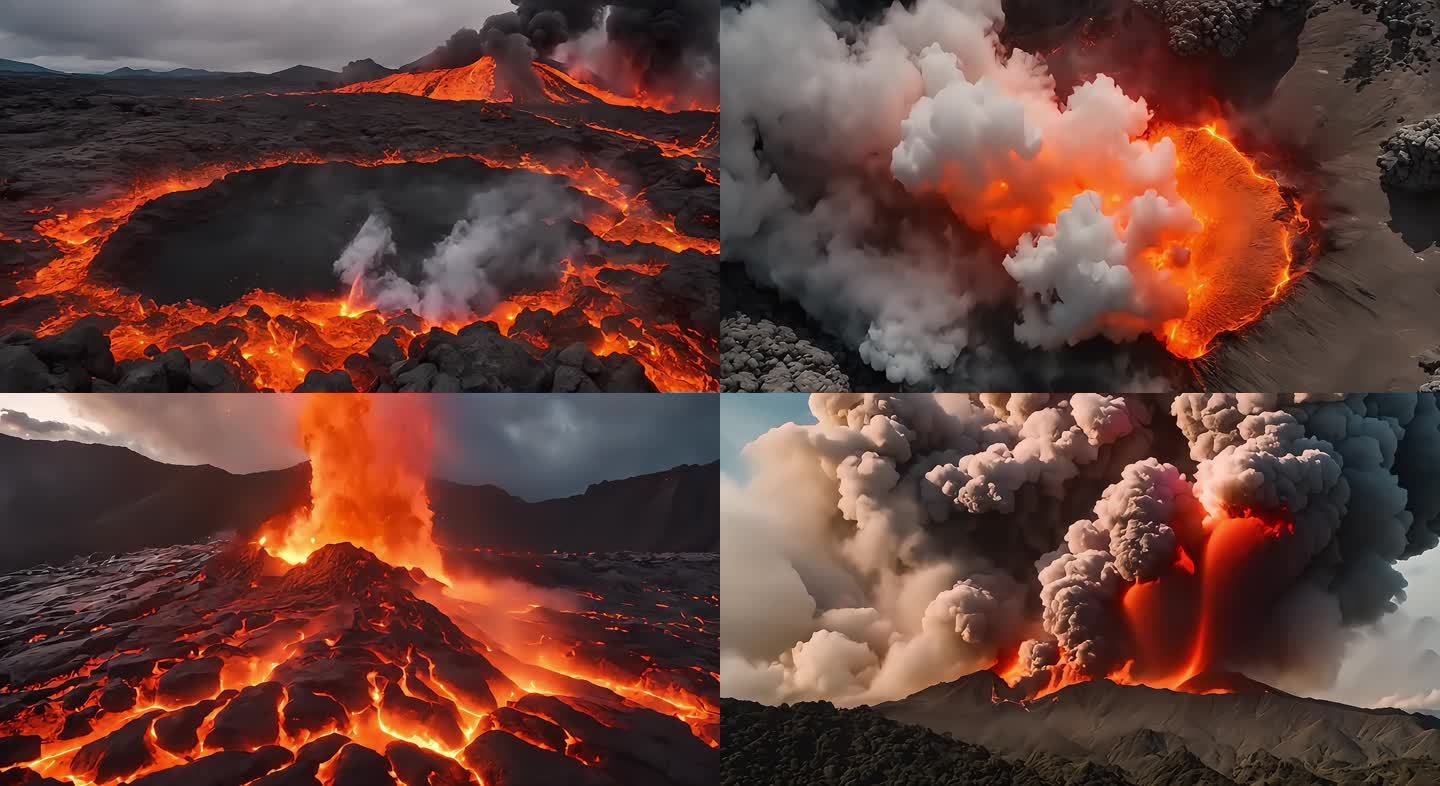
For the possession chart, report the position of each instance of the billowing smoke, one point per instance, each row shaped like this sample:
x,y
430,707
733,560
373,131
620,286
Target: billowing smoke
x,y
925,193
906,540
670,47
512,237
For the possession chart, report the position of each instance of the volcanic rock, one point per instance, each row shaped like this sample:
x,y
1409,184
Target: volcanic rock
x,y
529,727
85,345
307,711
22,372
178,731
117,698
19,748
326,382
1410,158
359,766
227,768
503,759
21,776
190,681
143,376
117,754
415,766
764,357
250,720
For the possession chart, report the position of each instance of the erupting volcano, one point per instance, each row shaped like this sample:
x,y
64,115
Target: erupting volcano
x,y
625,303
339,643
1030,217
1065,575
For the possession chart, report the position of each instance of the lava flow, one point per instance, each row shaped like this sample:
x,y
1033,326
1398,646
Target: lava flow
x,y
339,665
1186,626
479,82
1243,258
275,341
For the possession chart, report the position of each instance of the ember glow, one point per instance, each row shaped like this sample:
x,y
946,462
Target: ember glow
x,y
275,340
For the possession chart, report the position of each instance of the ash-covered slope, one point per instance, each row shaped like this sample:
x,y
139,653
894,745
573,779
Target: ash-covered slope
x,y
1245,736
214,665
111,500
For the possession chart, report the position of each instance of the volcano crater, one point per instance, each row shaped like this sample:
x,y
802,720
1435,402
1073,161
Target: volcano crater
x,y
281,229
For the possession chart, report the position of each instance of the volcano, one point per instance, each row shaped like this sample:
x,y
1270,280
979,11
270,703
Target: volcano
x,y
1096,732
219,664
106,254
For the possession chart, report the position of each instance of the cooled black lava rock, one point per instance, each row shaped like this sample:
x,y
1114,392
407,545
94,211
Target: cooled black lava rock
x,y
765,357
1410,158
19,748
1219,25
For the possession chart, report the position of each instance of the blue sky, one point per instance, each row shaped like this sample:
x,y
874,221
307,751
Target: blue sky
x,y
745,416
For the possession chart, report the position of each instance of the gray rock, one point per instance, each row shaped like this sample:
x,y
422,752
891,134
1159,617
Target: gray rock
x,y
386,351
418,379
569,379
143,376
22,372
214,376
1410,158
444,383
318,381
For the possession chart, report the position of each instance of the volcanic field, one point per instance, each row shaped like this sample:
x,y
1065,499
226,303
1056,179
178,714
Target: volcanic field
x,y
421,231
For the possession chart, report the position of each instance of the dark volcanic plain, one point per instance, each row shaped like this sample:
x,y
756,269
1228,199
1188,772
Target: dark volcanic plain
x,y
70,143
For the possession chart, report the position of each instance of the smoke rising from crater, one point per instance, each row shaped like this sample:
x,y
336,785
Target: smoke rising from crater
x,y
903,541
907,179
512,236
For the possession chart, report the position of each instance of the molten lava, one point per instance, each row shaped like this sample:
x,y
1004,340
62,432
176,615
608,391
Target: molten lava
x,y
176,666
1243,259
479,81
1211,607
366,488
274,341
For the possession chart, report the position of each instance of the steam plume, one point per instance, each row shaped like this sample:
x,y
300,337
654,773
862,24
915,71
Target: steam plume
x,y
908,179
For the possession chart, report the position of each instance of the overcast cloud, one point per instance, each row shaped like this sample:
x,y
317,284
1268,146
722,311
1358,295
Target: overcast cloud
x,y
221,35
533,446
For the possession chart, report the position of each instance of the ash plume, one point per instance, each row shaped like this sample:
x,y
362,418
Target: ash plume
x,y
906,540
925,192
511,238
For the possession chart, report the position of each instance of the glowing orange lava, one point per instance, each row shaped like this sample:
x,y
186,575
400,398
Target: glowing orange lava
x,y
274,340
478,82
366,487
1243,259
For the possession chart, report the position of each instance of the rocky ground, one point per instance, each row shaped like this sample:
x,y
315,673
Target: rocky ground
x,y
214,664
71,143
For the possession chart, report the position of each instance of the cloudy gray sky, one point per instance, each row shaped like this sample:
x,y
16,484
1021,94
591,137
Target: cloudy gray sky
x,y
534,446
226,35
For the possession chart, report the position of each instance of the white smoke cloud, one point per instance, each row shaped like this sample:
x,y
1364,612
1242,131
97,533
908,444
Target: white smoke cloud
x,y
1060,212
906,540
511,235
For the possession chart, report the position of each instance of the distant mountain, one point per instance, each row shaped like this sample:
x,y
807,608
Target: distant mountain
x,y
174,73
304,74
60,499
1255,734
364,71
1095,734
17,67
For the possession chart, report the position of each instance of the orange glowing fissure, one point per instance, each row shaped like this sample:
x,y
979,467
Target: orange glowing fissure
x,y
1243,259
275,340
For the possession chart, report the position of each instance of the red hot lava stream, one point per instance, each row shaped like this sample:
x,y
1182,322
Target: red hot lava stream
x,y
275,340
1212,606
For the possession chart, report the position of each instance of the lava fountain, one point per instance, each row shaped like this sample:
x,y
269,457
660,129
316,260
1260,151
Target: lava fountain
x,y
367,485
